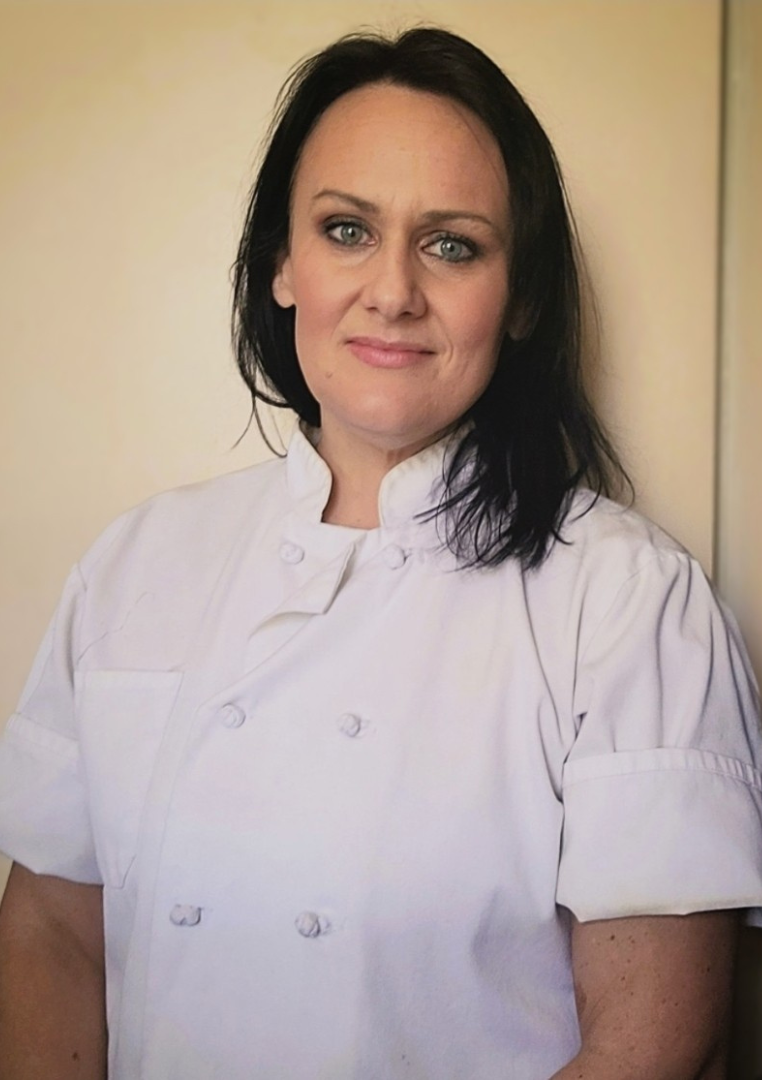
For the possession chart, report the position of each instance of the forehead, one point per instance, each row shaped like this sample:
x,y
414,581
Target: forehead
x,y
385,136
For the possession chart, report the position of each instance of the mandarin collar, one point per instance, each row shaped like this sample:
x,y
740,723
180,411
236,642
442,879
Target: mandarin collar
x,y
412,487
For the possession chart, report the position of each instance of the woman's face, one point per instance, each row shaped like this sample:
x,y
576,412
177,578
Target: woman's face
x,y
397,266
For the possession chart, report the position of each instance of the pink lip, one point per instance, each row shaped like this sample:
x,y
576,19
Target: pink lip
x,y
387,354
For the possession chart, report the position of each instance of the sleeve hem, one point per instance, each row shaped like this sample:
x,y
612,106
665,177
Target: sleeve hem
x,y
660,759
25,732
660,841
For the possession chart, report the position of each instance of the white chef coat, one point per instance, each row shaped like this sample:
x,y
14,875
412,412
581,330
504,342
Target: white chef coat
x,y
342,796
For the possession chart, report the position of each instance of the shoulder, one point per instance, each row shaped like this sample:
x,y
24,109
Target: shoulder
x,y
610,562
146,584
190,524
597,529
605,545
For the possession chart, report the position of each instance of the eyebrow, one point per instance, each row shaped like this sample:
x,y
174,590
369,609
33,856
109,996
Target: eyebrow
x,y
431,217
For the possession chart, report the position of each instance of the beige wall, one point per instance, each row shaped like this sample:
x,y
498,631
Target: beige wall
x,y
129,132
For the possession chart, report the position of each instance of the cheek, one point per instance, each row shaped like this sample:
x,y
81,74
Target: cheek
x,y
319,297
315,320
478,323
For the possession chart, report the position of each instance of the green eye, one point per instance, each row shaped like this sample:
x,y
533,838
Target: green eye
x,y
347,233
452,249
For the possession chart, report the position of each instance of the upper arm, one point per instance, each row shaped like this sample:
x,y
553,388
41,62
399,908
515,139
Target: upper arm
x,y
52,981
654,994
63,914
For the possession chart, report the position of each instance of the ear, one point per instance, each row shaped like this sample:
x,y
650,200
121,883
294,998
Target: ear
x,y
519,322
283,293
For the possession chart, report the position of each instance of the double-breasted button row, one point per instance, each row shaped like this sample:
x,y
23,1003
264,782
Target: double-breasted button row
x,y
310,924
350,724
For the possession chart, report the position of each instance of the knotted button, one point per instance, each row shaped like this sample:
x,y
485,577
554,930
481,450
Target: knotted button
x,y
232,715
351,724
185,915
394,556
291,553
311,925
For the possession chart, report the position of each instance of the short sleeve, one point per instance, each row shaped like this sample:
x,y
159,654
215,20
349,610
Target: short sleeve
x,y
662,789
44,819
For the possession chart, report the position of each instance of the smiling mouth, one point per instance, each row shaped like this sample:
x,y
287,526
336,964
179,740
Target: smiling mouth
x,y
375,352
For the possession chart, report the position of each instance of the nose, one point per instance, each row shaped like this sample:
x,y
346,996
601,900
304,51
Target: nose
x,y
393,287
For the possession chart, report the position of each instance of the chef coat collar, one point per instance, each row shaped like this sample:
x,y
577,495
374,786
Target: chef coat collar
x,y
413,486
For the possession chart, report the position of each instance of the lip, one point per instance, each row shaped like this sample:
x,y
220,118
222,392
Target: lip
x,y
377,352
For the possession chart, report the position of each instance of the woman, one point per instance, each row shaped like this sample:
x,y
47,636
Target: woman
x,y
411,755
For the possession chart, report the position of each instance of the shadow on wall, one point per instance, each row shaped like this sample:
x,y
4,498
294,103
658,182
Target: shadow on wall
x,y
746,1042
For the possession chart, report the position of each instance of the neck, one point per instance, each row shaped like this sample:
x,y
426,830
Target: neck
x,y
358,470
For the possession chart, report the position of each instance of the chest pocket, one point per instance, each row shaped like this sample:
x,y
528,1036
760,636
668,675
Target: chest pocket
x,y
122,716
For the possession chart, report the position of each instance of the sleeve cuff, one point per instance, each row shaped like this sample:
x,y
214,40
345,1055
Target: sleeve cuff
x,y
662,831
44,822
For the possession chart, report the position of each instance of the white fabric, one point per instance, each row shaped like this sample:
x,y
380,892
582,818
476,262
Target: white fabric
x,y
341,795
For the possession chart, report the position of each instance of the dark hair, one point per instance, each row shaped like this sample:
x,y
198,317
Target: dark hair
x,y
533,437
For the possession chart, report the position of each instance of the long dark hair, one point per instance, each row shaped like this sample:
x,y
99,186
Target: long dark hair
x,y
533,437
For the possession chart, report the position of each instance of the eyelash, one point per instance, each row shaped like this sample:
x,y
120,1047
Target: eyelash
x,y
472,249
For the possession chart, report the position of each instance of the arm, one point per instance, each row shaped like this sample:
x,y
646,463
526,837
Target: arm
x,y
653,996
52,984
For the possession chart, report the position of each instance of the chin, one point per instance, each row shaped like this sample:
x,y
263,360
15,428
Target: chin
x,y
383,419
